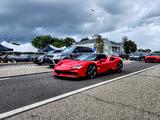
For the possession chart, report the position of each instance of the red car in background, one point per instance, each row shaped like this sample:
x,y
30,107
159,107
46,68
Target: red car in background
x,y
153,57
87,66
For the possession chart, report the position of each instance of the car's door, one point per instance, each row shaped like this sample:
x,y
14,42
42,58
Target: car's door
x,y
112,62
102,64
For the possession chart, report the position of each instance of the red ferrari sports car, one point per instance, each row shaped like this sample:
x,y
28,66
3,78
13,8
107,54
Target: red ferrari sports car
x,y
153,57
87,66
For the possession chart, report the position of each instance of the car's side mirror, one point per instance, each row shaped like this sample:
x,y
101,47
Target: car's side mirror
x,y
112,59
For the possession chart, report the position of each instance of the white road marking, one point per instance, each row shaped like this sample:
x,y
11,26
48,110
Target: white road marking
x,y
4,79
34,105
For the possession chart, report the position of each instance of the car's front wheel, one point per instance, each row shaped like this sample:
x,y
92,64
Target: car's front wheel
x,y
91,71
119,66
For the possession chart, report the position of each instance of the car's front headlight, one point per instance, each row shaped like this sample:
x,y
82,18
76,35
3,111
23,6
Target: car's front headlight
x,y
77,67
136,56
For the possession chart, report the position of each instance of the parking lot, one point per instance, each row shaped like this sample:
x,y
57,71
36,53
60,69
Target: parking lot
x,y
20,69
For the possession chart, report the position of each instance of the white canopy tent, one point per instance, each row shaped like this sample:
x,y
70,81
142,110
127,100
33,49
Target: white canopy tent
x,y
20,48
27,48
9,45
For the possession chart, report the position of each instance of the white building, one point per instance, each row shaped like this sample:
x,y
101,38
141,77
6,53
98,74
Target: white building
x,y
110,47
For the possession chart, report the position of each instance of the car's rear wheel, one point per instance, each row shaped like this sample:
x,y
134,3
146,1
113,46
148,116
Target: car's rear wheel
x,y
91,71
119,67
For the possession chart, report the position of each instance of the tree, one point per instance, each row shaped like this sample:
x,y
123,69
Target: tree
x,y
141,50
124,39
58,42
42,41
99,45
148,50
129,46
68,41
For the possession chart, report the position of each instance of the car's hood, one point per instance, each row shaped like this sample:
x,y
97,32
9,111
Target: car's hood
x,y
67,64
152,57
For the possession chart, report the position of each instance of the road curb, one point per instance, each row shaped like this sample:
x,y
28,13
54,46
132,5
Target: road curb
x,y
38,104
25,74
8,64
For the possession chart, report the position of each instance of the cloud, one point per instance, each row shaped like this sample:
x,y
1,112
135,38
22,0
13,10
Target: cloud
x,y
138,19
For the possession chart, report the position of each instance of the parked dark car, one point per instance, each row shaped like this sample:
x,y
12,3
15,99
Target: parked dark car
x,y
23,58
46,58
70,53
137,56
8,58
124,56
121,55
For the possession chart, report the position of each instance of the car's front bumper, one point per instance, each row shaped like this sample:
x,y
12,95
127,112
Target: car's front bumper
x,y
70,73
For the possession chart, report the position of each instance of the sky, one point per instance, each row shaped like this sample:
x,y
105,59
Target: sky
x,y
139,20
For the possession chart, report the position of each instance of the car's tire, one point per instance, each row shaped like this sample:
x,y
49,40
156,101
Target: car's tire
x,y
91,71
146,61
119,67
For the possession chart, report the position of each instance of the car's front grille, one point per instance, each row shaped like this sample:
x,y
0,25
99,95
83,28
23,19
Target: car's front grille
x,y
65,72
151,59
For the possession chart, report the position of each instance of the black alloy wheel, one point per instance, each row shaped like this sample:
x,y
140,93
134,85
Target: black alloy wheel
x,y
119,67
91,71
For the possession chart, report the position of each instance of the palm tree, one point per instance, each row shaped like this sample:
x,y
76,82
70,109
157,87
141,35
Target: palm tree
x,y
99,45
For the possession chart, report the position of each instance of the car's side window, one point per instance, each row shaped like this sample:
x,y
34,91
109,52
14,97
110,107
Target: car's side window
x,y
83,49
76,50
87,49
99,57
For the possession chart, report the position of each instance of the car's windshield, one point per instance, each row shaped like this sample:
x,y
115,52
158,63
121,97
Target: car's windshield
x,y
69,49
55,51
154,54
137,54
86,57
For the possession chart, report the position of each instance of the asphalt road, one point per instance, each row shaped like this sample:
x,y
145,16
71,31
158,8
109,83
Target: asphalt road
x,y
20,91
